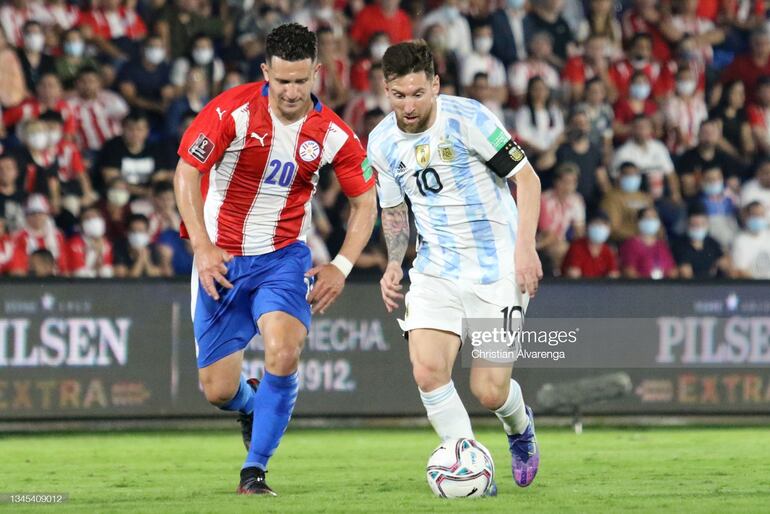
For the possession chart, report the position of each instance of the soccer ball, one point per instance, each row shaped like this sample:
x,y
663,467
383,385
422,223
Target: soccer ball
x,y
460,468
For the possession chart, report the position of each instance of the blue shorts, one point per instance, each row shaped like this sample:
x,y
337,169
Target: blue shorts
x,y
261,283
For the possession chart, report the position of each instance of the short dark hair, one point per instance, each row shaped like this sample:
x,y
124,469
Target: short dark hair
x,y
408,57
162,186
291,42
135,116
138,217
51,116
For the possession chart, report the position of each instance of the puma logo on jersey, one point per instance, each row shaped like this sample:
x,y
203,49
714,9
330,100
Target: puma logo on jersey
x,y
220,113
261,139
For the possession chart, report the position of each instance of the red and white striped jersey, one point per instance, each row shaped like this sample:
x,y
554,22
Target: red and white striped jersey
x,y
31,108
98,120
260,174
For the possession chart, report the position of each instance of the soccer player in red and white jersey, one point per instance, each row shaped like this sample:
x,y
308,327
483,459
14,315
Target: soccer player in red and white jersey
x,y
98,112
250,162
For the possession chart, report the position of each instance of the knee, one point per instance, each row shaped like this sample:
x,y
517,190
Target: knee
x,y
281,357
219,392
490,394
430,376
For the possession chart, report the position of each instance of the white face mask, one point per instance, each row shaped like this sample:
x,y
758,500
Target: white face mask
x,y
94,228
203,56
483,44
38,141
118,197
74,48
34,42
154,54
54,137
138,240
378,50
686,87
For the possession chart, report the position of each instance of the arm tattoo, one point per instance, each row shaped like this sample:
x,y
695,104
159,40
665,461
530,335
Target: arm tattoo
x,y
395,226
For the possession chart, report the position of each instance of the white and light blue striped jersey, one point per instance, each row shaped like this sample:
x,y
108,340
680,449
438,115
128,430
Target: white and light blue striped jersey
x,y
454,174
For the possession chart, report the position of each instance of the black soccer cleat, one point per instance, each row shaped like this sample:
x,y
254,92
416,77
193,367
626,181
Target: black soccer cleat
x,y
253,482
247,420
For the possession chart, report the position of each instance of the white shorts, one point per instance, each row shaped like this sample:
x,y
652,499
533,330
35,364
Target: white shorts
x,y
441,304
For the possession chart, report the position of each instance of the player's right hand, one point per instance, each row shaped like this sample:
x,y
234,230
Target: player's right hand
x,y
210,263
390,285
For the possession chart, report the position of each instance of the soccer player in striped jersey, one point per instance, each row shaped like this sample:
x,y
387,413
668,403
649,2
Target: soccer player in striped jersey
x,y
249,165
476,251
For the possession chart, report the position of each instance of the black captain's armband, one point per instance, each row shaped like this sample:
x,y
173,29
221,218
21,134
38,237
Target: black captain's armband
x,y
505,160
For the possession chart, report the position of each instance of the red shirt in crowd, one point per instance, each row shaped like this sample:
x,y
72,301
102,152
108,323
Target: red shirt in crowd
x,y
85,261
660,77
26,244
31,108
580,257
744,68
371,19
6,253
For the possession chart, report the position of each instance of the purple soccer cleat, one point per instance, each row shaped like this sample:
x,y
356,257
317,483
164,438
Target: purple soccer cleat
x,y
525,454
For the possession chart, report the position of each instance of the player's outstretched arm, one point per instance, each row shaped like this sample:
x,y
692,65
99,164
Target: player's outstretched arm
x,y
330,278
209,260
529,271
395,226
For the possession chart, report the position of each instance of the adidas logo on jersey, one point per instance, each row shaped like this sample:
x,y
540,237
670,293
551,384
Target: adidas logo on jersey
x,y
401,167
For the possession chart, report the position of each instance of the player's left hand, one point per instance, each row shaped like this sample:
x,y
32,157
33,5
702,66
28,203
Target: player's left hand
x,y
529,271
329,282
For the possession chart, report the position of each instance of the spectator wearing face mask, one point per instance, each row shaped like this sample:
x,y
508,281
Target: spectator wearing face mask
x,y
136,256
481,61
684,112
36,163
67,160
458,32
706,155
623,202
720,207
359,72
73,58
647,254
751,249
637,103
90,253
591,256
115,208
322,13
696,253
34,62
39,232
202,56
592,64
145,82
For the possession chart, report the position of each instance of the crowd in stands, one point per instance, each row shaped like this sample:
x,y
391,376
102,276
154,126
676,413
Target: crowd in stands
x,y
648,122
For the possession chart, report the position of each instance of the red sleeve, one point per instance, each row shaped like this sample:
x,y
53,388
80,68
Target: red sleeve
x,y
545,218
206,139
359,76
733,71
76,163
571,259
665,82
405,28
755,116
574,71
75,255
355,174
20,260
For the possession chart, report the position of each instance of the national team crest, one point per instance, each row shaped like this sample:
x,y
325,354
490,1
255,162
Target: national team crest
x,y
309,150
422,153
446,152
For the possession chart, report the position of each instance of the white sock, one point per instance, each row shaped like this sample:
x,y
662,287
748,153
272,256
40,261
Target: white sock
x,y
446,412
513,414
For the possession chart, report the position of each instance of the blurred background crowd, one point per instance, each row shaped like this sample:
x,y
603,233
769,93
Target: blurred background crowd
x,y
648,122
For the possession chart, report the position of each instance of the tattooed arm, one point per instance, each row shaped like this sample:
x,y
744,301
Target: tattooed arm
x,y
395,226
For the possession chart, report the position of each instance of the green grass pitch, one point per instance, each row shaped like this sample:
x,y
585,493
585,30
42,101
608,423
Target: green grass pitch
x,y
602,470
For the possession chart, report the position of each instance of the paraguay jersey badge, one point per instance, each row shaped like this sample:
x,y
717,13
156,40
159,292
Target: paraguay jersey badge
x,y
446,152
422,153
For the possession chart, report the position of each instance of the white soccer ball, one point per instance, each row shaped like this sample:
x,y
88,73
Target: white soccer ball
x,y
460,468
